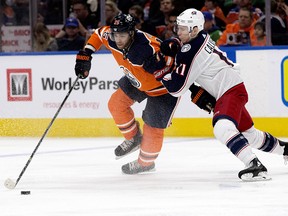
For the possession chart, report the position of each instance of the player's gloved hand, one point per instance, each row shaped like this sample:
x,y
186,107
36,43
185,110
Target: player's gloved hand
x,y
170,47
83,64
202,98
165,66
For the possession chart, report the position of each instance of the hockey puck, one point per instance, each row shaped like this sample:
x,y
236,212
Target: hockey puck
x,y
25,192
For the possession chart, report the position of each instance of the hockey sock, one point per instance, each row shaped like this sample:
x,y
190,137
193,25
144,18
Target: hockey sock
x,y
271,144
120,108
151,145
263,141
226,132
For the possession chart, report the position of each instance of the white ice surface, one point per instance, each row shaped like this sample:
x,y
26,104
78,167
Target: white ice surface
x,y
80,177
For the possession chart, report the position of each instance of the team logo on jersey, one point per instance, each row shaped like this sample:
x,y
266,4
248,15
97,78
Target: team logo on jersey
x,y
19,85
186,48
131,77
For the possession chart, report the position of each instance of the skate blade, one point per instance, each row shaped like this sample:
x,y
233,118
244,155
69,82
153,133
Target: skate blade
x,y
133,150
141,173
262,176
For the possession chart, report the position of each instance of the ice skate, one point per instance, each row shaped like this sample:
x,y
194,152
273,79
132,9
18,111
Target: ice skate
x,y
256,171
135,168
285,154
129,146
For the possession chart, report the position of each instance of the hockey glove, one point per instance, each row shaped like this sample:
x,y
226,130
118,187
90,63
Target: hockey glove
x,y
83,64
202,98
165,66
170,47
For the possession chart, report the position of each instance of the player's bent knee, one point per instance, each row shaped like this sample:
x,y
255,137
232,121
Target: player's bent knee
x,y
119,101
224,129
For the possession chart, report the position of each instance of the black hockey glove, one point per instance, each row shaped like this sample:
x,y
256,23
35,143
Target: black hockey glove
x,y
159,65
153,63
202,98
170,47
83,64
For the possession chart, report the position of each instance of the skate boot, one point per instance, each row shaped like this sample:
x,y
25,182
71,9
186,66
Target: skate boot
x,y
129,146
255,171
135,168
285,154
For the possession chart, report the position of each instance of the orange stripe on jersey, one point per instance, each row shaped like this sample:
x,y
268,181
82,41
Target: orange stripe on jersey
x,y
96,39
157,92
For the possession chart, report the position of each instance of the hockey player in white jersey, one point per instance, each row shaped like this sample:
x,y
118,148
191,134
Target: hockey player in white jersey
x,y
199,60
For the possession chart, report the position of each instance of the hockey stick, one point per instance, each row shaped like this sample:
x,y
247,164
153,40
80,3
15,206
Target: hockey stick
x,y
9,183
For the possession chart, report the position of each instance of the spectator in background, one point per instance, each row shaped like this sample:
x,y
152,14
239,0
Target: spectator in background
x,y
111,10
159,23
51,10
233,14
21,9
220,19
72,39
42,40
240,33
15,12
209,26
259,32
169,30
9,16
80,10
278,26
137,12
284,7
87,21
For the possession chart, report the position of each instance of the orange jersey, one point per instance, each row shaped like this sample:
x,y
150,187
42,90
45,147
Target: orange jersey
x,y
233,29
218,13
143,47
233,14
256,42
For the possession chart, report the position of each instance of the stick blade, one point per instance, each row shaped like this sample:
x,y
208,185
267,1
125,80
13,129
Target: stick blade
x,y
10,184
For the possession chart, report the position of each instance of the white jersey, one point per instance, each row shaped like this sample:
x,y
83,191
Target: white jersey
x,y
201,61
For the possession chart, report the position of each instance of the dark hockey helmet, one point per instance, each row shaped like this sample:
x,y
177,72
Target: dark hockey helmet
x,y
123,23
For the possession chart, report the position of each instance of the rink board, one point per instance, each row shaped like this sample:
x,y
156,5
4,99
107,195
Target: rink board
x,y
33,85
199,127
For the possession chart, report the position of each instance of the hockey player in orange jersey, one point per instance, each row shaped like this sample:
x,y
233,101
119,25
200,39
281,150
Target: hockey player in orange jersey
x,y
130,47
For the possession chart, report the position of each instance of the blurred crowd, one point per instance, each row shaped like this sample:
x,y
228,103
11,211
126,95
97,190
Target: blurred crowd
x,y
229,22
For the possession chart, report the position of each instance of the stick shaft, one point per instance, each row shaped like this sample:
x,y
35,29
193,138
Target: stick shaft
x,y
46,131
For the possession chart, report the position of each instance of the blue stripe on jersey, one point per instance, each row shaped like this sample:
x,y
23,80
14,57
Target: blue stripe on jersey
x,y
222,57
237,143
140,49
269,144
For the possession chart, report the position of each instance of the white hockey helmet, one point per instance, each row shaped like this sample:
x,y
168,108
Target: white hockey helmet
x,y
191,18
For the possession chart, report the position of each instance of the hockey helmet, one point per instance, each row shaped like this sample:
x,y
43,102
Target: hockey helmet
x,y
123,23
191,18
